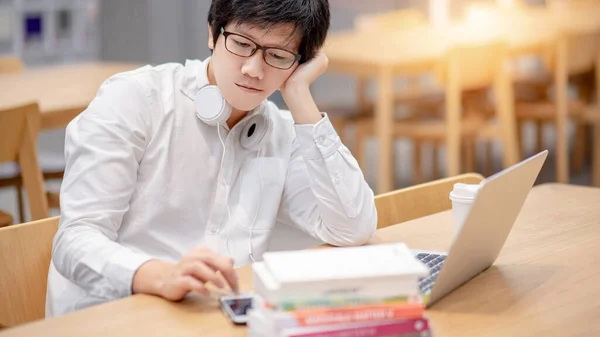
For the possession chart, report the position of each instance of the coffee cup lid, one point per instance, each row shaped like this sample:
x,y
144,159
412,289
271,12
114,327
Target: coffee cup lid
x,y
464,191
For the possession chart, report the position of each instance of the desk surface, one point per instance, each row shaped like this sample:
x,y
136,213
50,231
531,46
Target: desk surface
x,y
62,92
544,283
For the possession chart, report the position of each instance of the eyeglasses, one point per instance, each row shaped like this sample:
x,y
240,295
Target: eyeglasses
x,y
275,57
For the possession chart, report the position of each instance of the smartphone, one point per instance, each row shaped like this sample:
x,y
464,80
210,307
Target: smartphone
x,y
236,307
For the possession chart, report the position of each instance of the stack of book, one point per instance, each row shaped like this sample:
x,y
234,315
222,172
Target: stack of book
x,y
367,291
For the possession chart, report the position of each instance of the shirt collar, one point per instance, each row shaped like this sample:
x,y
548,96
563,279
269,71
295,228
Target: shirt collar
x,y
195,76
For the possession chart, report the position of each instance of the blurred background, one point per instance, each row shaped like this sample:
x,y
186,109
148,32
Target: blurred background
x,y
417,89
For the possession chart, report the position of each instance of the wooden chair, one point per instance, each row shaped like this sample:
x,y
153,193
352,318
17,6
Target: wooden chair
x,y
473,68
575,54
11,64
591,116
11,176
19,128
27,250
467,72
5,219
414,96
16,180
420,200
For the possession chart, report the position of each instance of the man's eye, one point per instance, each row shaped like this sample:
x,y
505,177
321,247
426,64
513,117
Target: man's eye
x,y
242,44
278,57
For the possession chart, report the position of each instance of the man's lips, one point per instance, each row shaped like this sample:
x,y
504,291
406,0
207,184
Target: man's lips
x,y
248,88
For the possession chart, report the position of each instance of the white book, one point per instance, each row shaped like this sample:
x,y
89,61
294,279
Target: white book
x,y
343,263
259,326
372,271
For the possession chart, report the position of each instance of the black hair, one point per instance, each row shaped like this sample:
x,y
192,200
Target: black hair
x,y
309,17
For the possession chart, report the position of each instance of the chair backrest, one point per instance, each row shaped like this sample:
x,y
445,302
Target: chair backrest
x,y
582,46
11,64
597,73
420,200
24,262
19,128
387,21
582,51
5,219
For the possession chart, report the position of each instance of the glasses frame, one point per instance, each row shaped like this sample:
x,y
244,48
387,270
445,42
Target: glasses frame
x,y
226,34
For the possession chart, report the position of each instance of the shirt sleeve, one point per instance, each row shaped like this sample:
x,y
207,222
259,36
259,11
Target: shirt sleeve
x,y
325,192
103,148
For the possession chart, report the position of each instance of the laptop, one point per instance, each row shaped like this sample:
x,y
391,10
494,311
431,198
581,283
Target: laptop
x,y
486,227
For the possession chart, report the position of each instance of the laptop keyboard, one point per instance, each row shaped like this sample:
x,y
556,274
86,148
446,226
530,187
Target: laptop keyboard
x,y
434,262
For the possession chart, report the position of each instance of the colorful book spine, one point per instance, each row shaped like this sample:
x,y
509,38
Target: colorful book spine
x,y
326,316
412,327
292,305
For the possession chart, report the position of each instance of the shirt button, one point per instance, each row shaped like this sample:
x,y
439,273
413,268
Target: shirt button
x,y
212,228
321,140
337,180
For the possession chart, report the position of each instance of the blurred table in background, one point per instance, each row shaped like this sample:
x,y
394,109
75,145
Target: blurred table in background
x,y
389,54
62,91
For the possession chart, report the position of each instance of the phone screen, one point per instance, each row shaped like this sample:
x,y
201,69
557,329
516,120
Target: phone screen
x,y
239,307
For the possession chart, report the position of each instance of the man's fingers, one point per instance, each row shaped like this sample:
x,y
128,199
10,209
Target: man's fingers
x,y
202,272
192,284
225,266
217,262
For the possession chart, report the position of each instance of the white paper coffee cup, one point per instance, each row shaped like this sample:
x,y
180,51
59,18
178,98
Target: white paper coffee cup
x,y
462,197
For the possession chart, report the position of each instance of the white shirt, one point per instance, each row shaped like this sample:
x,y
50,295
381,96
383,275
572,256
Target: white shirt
x,y
146,179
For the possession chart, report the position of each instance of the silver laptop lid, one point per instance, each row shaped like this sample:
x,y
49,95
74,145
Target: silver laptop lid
x,y
486,228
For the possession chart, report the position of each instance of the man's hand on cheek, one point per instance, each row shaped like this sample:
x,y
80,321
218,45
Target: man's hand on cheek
x,y
296,90
305,74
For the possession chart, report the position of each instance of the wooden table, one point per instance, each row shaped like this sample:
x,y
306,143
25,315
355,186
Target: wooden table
x,y
546,282
62,92
385,55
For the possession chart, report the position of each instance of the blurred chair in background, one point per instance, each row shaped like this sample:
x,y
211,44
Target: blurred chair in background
x,y
5,219
573,63
416,98
10,175
467,72
19,128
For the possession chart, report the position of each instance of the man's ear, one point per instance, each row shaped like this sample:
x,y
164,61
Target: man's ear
x,y
211,42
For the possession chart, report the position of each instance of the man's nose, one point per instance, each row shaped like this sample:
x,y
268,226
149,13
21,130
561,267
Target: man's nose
x,y
253,65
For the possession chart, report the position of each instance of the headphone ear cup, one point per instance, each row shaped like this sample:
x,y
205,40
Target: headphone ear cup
x,y
211,106
255,131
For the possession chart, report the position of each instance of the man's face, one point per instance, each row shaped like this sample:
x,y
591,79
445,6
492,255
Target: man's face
x,y
247,81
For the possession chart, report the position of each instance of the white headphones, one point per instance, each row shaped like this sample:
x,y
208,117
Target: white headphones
x,y
211,106
213,109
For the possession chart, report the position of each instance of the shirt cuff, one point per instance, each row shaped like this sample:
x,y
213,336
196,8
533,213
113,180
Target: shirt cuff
x,y
121,268
317,140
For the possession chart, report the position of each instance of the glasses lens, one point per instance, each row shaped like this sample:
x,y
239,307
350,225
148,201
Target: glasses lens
x,y
279,58
240,45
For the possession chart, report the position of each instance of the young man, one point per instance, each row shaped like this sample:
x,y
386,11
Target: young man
x,y
176,174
